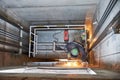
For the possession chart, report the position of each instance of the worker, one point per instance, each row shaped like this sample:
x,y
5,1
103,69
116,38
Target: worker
x,y
75,50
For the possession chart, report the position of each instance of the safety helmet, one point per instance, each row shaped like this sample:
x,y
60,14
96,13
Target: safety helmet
x,y
74,52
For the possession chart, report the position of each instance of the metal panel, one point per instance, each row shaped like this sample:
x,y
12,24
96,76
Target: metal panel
x,y
12,29
10,38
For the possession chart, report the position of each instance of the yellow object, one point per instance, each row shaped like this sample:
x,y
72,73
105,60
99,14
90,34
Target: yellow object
x,y
68,55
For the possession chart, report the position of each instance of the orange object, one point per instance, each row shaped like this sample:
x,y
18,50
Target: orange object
x,y
66,35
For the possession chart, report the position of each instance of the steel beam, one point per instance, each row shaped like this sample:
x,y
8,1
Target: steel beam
x,y
56,22
67,5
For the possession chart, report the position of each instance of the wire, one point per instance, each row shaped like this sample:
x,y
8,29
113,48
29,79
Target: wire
x,y
54,36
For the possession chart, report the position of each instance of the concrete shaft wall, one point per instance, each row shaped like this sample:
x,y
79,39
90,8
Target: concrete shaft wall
x,y
9,59
106,53
9,52
10,40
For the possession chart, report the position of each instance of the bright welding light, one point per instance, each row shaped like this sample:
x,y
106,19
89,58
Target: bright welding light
x,y
75,64
69,64
63,59
72,64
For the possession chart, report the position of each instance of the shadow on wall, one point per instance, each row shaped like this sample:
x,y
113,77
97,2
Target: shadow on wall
x,y
114,67
98,62
93,62
9,59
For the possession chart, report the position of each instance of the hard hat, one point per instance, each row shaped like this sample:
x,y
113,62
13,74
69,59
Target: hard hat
x,y
74,52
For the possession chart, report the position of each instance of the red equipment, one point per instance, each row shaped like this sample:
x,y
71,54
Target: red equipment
x,y
66,35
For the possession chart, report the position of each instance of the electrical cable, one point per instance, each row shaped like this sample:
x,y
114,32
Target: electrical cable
x,y
54,36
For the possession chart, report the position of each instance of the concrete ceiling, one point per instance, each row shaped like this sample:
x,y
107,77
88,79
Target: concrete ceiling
x,y
51,11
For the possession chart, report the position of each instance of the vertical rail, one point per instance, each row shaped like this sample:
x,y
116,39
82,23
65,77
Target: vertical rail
x,y
34,42
29,41
53,45
20,41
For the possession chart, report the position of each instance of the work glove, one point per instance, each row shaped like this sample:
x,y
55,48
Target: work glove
x,y
68,55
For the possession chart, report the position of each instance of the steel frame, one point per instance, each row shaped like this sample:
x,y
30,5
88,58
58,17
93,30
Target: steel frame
x,y
33,38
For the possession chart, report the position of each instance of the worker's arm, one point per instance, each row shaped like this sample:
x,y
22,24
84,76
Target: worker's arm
x,y
82,52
